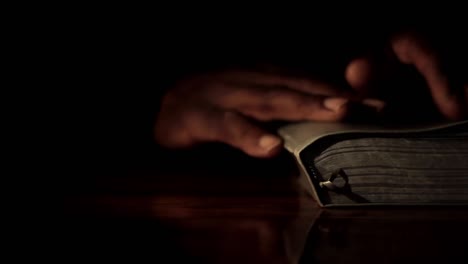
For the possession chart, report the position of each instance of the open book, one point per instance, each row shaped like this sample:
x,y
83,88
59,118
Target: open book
x,y
355,164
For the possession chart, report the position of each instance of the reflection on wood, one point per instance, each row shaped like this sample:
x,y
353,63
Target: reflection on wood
x,y
252,213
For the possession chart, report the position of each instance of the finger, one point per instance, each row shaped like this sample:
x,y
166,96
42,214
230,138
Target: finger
x,y
284,104
205,124
236,130
294,108
373,70
304,85
368,72
359,74
412,50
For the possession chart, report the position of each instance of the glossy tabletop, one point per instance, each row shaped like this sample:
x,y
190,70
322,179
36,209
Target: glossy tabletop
x,y
219,206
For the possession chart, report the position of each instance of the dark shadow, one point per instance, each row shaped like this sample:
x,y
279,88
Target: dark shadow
x,y
388,235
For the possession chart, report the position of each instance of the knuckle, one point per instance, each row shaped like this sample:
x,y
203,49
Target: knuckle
x,y
402,46
409,46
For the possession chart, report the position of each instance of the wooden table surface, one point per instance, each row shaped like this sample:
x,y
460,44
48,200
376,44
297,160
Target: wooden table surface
x,y
223,207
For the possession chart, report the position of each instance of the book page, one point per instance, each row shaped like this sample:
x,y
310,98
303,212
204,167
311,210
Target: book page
x,y
299,135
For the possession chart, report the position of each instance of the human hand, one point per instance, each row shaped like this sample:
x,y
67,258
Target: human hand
x,y
379,74
229,106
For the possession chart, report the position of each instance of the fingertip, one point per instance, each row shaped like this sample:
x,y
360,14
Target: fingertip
x,y
269,143
339,109
267,146
358,73
455,108
240,133
270,153
376,104
336,109
335,104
